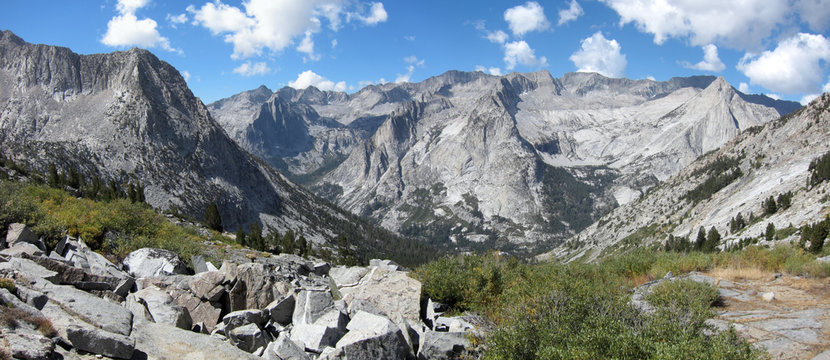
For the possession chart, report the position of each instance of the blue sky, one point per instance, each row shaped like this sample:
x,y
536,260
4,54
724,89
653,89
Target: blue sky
x,y
777,47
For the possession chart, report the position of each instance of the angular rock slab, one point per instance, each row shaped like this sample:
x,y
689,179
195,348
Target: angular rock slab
x,y
20,233
164,309
312,305
149,262
442,345
373,336
244,317
281,311
249,337
284,349
315,337
89,308
101,342
393,292
160,341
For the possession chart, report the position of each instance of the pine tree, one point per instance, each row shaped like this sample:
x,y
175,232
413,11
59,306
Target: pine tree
x,y
132,194
287,244
769,206
770,234
712,240
255,237
701,239
212,219
140,191
305,247
54,180
240,237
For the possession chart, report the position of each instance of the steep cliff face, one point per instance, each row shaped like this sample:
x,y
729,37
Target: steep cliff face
x,y
523,158
766,160
128,116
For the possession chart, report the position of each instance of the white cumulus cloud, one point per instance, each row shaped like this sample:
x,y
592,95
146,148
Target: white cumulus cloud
x,y
177,19
186,75
794,66
815,13
571,13
711,61
739,24
252,69
309,78
520,53
492,71
260,25
525,18
743,87
127,30
307,47
498,36
600,55
810,97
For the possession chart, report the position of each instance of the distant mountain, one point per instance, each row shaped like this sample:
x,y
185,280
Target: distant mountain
x,y
769,160
127,116
477,161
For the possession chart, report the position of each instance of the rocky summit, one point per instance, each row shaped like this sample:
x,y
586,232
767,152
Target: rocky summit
x,y
271,307
127,117
475,161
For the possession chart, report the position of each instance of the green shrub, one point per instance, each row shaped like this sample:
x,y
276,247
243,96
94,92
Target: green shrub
x,y
8,284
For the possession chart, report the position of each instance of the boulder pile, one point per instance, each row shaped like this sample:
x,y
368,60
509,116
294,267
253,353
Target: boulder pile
x,y
74,301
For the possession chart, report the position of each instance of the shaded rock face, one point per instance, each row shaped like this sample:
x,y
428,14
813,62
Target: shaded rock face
x,y
474,155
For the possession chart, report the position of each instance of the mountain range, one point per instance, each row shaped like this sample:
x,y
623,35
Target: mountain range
x,y
128,117
474,161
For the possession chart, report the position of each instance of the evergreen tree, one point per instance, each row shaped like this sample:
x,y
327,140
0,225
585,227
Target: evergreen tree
x,y
273,242
769,206
712,240
304,246
212,219
54,180
770,234
701,239
240,237
785,200
140,191
255,240
287,244
132,194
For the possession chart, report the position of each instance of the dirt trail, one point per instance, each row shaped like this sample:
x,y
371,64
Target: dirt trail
x,y
788,316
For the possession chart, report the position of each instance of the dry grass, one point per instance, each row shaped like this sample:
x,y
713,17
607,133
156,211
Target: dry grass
x,y
12,317
738,273
640,279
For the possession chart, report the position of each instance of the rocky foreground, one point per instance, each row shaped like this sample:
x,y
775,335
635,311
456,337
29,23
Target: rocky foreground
x,y
73,303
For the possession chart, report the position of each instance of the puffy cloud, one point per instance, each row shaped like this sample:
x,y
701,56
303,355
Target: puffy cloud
x,y
413,61
815,13
744,88
492,71
309,78
498,36
127,30
274,24
651,78
177,19
773,96
571,13
334,43
600,55
186,75
525,18
737,24
307,46
793,67
519,52
249,69
711,61
377,14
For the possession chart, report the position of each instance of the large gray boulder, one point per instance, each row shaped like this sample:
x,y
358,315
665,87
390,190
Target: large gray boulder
x,y
30,270
284,349
244,317
20,233
315,337
281,311
208,285
373,336
160,341
347,276
312,305
77,253
385,264
21,248
205,312
393,293
442,345
24,342
149,262
101,342
163,308
89,308
249,337
256,286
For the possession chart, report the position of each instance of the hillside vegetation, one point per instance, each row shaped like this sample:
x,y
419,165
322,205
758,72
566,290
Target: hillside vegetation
x,y
583,311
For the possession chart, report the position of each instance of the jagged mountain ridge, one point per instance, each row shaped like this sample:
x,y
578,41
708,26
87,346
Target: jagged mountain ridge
x,y
128,116
773,158
469,156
